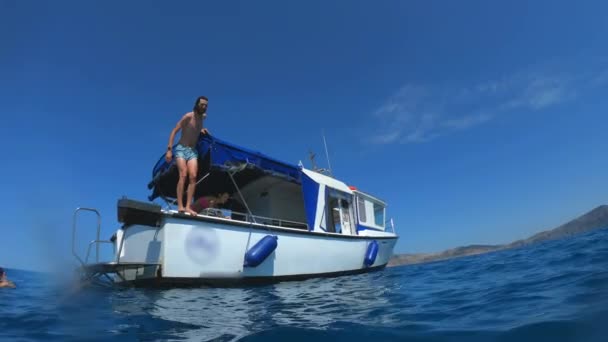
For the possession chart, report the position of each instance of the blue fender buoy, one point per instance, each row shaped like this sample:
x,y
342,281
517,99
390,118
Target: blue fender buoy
x,y
260,251
371,253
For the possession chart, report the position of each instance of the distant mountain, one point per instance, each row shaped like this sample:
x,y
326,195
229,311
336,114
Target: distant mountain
x,y
596,218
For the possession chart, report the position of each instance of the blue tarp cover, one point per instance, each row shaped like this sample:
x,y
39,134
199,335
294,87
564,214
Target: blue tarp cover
x,y
224,154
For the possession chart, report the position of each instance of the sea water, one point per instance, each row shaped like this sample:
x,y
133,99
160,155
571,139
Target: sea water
x,y
553,291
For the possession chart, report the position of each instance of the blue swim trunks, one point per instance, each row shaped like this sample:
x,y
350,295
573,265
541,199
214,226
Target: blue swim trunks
x,y
185,152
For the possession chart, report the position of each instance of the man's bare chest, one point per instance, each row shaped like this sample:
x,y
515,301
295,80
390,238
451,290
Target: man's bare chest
x,y
193,124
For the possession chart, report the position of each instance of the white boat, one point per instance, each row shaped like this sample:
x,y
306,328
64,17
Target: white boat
x,y
283,222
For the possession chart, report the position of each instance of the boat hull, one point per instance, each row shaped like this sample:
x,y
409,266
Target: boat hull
x,y
211,251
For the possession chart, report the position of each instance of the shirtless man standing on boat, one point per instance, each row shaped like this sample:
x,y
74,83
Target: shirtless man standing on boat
x,y
186,155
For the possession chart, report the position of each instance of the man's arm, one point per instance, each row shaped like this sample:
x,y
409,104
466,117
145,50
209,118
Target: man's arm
x,y
178,126
8,284
204,130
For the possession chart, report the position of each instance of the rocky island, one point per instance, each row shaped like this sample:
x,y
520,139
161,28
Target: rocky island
x,y
594,219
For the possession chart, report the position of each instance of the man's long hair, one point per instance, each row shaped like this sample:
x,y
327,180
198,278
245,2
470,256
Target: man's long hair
x,y
195,109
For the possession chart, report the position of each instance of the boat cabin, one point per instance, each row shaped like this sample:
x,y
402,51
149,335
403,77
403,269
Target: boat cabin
x,y
267,191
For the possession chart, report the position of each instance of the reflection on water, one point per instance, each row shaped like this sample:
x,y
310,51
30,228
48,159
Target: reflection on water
x,y
235,312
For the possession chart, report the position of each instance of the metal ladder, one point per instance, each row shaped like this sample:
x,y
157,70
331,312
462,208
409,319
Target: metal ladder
x,y
92,272
95,242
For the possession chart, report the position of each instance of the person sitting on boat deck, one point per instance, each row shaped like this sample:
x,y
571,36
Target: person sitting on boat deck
x,y
5,282
186,156
210,202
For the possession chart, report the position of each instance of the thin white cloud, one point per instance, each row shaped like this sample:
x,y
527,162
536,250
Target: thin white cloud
x,y
540,92
467,121
387,137
421,113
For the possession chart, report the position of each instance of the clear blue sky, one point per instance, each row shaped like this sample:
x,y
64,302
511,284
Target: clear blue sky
x,y
479,122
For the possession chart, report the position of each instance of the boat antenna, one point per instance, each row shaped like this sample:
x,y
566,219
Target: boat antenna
x,y
311,156
326,153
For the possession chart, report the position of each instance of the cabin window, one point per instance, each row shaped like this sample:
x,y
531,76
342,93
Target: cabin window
x,y
333,219
378,214
361,209
371,212
338,209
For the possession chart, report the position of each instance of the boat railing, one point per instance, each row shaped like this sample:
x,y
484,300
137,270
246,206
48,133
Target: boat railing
x,y
95,242
278,222
390,223
273,221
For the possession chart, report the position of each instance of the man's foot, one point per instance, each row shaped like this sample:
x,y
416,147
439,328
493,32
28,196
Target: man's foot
x,y
181,210
191,212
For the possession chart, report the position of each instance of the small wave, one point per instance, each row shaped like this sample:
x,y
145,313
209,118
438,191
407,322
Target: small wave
x,y
556,290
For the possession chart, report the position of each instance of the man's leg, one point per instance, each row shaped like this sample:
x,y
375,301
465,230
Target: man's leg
x,y
192,171
183,172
